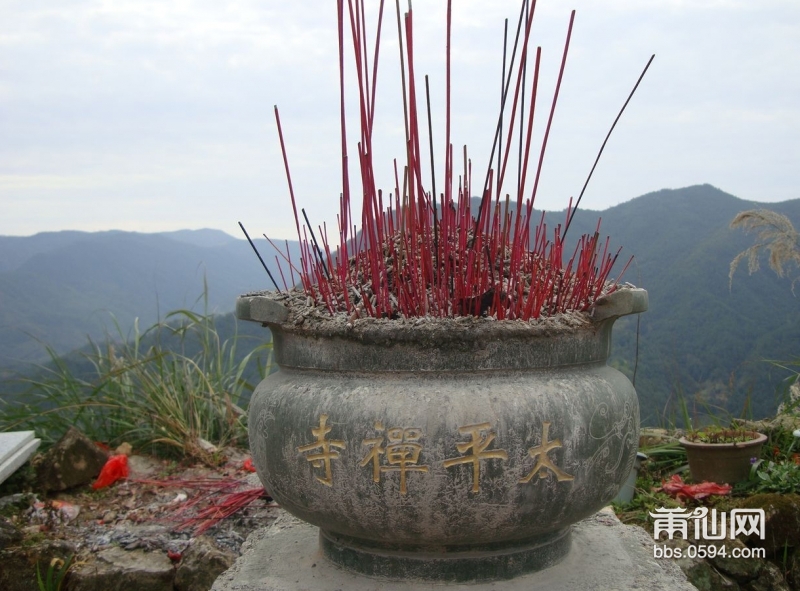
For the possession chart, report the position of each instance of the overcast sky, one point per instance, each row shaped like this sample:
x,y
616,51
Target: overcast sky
x,y
148,115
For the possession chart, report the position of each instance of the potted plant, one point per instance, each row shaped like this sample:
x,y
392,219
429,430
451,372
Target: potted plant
x,y
443,409
722,455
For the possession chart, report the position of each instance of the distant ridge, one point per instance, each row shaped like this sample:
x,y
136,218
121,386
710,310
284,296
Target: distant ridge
x,y
699,340
60,287
205,237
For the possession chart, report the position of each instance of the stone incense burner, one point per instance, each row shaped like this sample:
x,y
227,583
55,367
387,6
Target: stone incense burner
x,y
457,449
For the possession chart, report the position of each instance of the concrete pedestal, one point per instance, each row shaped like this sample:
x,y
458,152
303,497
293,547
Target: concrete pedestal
x,y
606,555
15,449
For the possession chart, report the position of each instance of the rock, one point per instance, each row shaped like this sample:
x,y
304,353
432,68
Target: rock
x,y
18,564
651,437
73,461
124,449
201,564
700,573
770,579
786,422
206,446
743,570
15,503
783,421
109,516
143,466
782,525
151,537
793,571
9,534
726,573
115,568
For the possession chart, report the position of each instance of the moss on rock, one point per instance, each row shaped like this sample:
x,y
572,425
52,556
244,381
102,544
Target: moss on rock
x,y
782,525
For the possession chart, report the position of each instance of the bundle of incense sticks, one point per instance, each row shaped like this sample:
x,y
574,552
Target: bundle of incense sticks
x,y
419,253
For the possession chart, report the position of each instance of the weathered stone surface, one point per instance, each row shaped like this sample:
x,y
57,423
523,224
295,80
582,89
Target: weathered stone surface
x,y
9,534
782,525
11,504
18,563
73,461
770,579
144,466
606,556
793,572
201,564
651,437
699,572
116,568
478,440
741,569
726,573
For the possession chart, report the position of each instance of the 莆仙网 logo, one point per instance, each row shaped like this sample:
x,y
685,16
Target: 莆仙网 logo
x,y
708,525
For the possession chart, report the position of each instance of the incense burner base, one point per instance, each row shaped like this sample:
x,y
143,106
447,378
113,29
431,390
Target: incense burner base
x,y
462,564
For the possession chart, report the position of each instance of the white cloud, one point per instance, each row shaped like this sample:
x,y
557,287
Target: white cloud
x,y
124,99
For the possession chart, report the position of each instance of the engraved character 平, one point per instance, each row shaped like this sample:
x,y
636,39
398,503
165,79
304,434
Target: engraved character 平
x,y
482,437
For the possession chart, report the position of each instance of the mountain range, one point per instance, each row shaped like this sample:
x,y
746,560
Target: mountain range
x,y
60,288
701,344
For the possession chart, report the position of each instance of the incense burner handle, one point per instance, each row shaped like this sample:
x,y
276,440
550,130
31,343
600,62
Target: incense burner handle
x,y
619,303
257,308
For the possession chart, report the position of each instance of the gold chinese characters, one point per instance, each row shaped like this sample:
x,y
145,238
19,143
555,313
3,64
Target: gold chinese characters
x,y
400,450
402,453
326,454
543,461
482,437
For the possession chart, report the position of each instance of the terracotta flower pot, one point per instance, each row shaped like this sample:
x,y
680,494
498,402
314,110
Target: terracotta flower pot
x,y
723,462
444,449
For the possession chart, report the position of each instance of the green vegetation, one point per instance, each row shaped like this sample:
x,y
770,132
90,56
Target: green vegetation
x,y
54,577
777,477
700,338
777,470
701,341
717,434
663,460
57,288
168,389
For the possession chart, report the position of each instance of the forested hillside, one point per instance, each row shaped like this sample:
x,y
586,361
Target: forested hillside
x,y
700,342
701,339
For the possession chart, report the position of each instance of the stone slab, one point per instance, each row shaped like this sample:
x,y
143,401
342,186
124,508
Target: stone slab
x,y
15,449
606,556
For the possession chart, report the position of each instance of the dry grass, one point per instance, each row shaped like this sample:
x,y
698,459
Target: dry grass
x,y
168,399
776,234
